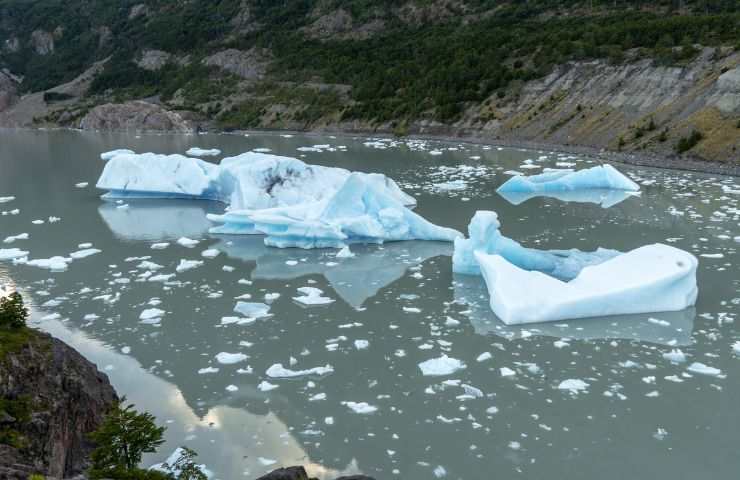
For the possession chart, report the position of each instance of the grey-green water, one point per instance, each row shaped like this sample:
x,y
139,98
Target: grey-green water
x,y
641,416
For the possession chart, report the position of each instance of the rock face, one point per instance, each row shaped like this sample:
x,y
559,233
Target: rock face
x,y
135,116
43,42
8,90
67,397
153,60
250,64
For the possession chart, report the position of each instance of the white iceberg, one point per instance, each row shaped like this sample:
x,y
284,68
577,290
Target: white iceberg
x,y
252,310
278,371
363,210
202,152
564,180
12,253
604,198
485,237
312,296
443,365
105,156
653,278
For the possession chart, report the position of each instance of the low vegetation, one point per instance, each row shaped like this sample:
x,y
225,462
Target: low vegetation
x,y
687,143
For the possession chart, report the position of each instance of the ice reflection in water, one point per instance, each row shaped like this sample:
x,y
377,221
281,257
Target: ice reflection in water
x,y
605,198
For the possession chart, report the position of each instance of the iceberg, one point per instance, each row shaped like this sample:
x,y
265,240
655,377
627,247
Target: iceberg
x,y
105,156
202,152
565,180
653,278
363,210
604,198
485,237
247,181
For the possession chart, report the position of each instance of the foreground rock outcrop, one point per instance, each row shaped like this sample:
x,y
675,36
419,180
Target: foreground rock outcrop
x,y
135,116
299,473
51,398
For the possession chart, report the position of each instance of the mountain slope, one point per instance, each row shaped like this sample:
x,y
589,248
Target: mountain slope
x,y
506,69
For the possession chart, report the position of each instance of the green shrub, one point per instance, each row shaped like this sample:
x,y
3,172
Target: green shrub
x,y
687,143
13,313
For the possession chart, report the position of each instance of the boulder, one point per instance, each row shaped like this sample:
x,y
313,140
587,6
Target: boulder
x,y
250,64
289,473
8,90
135,116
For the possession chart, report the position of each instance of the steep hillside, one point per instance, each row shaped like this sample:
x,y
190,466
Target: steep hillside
x,y
625,75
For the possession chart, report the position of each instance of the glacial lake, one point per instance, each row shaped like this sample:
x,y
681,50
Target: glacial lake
x,y
396,305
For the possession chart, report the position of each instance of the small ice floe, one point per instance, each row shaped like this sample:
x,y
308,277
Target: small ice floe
x,y
736,348
361,344
675,356
573,385
81,185
151,316
702,369
225,358
210,253
252,309
160,245
201,152
13,238
507,372
207,370
86,252
266,386
345,252
483,357
440,366
55,264
105,156
236,320
6,199
312,296
439,471
660,433
12,253
558,180
232,388
186,265
361,407
278,371
187,242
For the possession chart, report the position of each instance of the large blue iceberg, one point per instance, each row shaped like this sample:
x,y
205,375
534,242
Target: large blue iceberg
x,y
565,180
363,210
486,237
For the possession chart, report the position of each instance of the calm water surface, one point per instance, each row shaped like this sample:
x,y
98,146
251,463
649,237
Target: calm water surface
x,y
640,417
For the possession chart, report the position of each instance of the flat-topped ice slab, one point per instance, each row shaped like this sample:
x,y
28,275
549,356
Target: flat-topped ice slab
x,y
653,278
363,210
486,237
604,198
564,180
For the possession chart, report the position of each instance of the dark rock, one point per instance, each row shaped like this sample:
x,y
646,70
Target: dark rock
x,y
134,116
289,473
63,396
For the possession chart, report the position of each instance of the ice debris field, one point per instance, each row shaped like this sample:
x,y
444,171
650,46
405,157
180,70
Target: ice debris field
x,y
406,349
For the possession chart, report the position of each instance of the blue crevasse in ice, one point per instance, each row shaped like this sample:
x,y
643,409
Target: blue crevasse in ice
x,y
564,180
363,210
486,237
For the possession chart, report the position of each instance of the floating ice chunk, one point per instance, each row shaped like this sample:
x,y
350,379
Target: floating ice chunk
x,y
361,344
12,253
654,278
210,253
160,245
483,357
13,238
200,152
105,156
278,371
186,265
701,369
363,210
86,252
361,407
232,388
485,237
151,316
440,471
736,348
252,309
161,277
675,356
573,385
555,180
206,370
55,264
226,358
443,365
266,386
187,242
603,197
146,175
6,199
312,296
507,372
81,185
345,252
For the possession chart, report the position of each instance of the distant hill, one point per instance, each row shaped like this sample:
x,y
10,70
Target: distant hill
x,y
619,74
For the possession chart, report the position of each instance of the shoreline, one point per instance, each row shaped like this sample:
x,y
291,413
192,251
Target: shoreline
x,y
672,162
